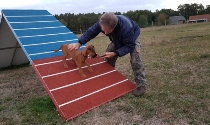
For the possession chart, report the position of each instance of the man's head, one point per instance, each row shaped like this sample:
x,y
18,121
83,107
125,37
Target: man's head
x,y
108,22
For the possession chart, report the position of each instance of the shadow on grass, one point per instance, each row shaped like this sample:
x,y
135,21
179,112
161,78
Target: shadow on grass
x,y
15,66
203,56
39,111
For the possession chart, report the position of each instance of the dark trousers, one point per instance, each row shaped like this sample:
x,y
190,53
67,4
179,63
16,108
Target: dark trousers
x,y
135,61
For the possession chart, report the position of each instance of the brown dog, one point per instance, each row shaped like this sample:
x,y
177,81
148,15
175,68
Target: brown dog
x,y
78,57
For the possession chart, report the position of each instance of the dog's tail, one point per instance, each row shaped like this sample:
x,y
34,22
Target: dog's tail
x,y
57,49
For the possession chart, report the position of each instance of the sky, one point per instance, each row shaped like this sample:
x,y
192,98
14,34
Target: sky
x,y
96,6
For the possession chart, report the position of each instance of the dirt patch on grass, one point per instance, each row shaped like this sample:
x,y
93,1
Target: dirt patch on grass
x,y
17,82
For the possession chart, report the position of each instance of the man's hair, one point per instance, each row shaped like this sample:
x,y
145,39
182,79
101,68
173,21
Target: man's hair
x,y
109,19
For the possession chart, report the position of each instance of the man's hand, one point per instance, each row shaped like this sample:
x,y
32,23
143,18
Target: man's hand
x,y
109,54
74,46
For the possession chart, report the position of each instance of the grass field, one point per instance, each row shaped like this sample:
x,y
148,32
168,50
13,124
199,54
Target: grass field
x,y
177,64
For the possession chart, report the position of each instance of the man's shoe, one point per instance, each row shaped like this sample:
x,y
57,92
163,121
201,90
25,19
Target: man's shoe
x,y
139,91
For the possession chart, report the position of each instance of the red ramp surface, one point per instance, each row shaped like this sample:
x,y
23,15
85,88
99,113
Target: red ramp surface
x,y
73,95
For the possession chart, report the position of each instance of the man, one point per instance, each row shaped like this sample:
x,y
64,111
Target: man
x,y
124,36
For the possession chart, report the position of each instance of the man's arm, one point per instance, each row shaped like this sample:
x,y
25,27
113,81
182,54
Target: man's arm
x,y
91,33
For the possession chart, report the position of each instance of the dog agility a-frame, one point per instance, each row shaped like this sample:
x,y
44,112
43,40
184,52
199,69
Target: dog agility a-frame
x,y
30,35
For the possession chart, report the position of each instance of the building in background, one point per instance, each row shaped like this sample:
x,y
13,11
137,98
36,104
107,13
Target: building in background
x,y
199,18
175,20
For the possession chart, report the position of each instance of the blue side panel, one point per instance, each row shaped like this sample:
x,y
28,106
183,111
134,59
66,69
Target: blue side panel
x,y
46,55
46,39
22,33
31,19
38,32
25,12
36,25
43,48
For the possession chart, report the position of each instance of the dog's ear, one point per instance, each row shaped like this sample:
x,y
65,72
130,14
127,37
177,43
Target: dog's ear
x,y
88,48
91,47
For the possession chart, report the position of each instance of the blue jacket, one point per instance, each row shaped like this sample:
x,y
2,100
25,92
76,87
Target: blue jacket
x,y
124,35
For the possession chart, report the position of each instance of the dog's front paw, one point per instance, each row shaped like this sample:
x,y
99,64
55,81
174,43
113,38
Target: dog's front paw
x,y
90,69
84,76
66,66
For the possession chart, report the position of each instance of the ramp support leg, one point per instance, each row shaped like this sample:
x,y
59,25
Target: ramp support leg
x,y
13,55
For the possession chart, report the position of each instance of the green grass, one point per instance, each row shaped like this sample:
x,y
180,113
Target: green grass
x,y
38,111
177,65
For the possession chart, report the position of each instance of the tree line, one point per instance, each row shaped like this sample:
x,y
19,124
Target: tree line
x,y
78,23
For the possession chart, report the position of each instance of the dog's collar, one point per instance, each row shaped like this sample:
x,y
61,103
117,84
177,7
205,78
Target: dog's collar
x,y
84,55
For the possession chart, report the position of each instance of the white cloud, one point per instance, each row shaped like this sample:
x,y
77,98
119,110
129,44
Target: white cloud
x,y
18,3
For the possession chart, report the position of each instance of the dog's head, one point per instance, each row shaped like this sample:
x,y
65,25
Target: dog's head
x,y
91,51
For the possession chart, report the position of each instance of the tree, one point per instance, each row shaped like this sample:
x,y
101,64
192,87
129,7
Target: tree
x,y
184,10
169,12
200,9
191,9
63,22
143,22
161,19
132,15
207,10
